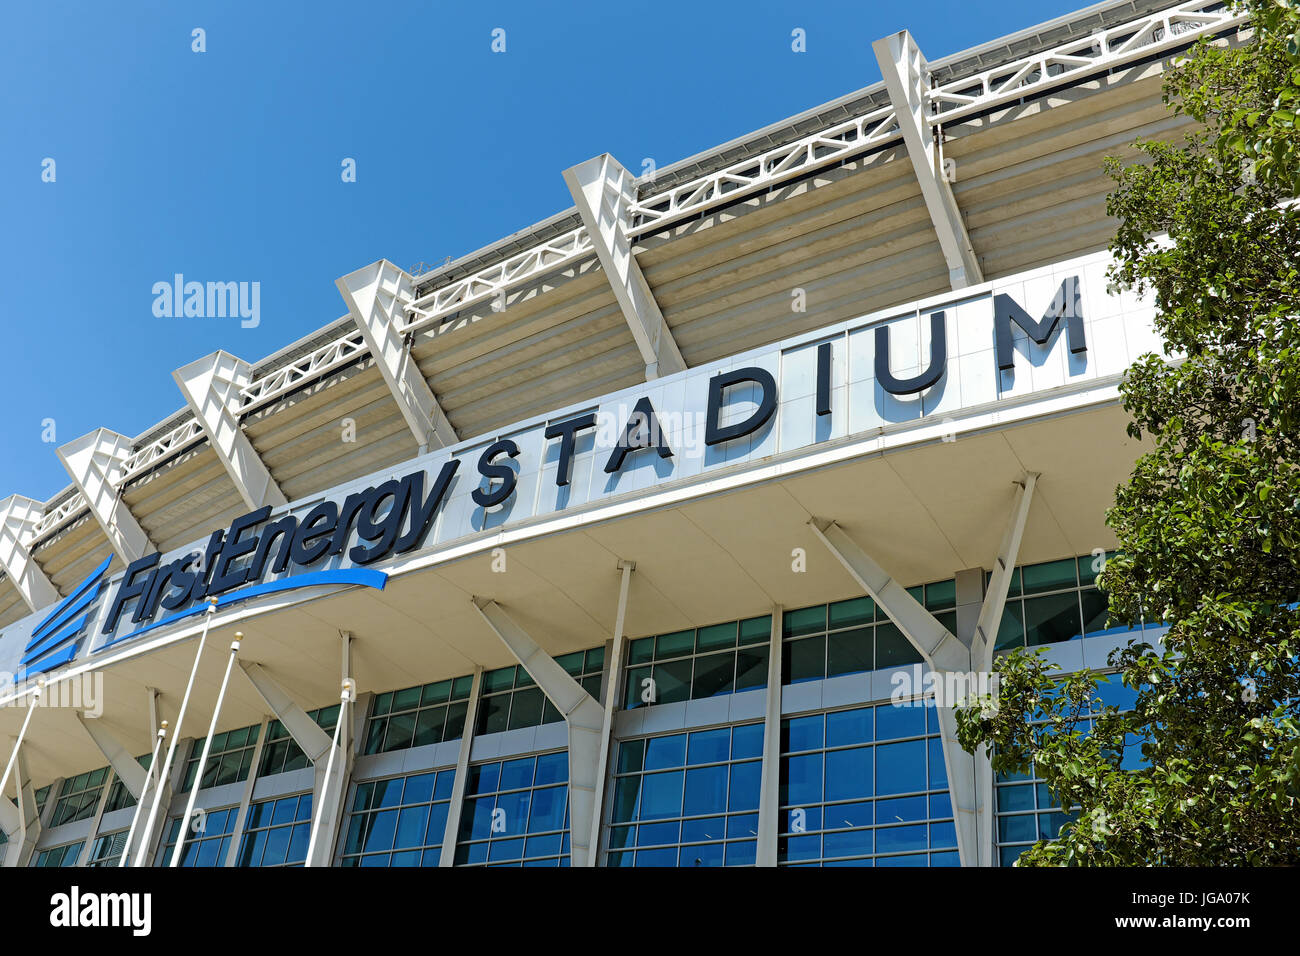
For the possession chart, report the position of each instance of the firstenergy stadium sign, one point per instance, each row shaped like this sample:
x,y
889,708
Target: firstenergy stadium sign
x,y
965,350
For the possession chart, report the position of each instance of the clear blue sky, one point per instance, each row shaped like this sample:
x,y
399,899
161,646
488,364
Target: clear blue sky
x,y
225,165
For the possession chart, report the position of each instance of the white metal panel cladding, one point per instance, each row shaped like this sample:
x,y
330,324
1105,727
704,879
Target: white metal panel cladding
x,y
1117,328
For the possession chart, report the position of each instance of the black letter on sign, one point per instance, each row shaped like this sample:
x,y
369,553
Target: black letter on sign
x,y
1065,304
641,431
567,432
485,497
223,579
424,510
938,360
713,432
129,588
824,379
311,541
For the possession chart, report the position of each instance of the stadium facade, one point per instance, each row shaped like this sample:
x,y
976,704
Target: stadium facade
x,y
645,536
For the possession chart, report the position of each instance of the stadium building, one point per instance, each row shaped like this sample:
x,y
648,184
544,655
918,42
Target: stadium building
x,y
640,537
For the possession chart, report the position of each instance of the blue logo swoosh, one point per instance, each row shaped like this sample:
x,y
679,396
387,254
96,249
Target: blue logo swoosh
x,y
56,640
361,576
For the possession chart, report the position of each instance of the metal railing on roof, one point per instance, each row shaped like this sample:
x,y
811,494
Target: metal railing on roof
x,y
1118,45
58,516
342,351
173,442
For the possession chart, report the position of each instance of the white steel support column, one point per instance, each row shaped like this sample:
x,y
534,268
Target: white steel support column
x,y
604,192
941,650
246,798
986,633
769,792
585,719
94,463
451,831
211,388
125,767
18,516
615,671
332,773
377,296
907,78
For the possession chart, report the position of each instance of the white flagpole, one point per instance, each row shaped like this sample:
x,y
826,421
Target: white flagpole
x,y
143,852
345,698
31,709
144,791
207,746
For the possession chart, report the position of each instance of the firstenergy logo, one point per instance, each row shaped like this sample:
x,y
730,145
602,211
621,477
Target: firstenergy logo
x,y
56,640
392,517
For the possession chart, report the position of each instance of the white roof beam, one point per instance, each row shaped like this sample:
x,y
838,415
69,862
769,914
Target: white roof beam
x,y
907,78
605,192
211,387
18,517
377,297
95,463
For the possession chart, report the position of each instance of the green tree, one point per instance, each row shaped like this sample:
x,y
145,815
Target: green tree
x,y
1204,769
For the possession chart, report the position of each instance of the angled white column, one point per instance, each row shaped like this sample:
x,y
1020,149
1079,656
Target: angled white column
x,y
18,516
211,389
615,672
327,795
982,646
585,719
451,830
306,733
94,463
906,74
125,766
20,821
941,650
376,297
1004,565
604,191
769,793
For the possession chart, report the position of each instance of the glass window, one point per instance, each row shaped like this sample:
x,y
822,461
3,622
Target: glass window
x,y
207,842
281,753
78,797
107,849
697,664
1057,601
516,813
687,799
399,821
417,716
56,856
277,832
861,787
1027,811
511,699
229,759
